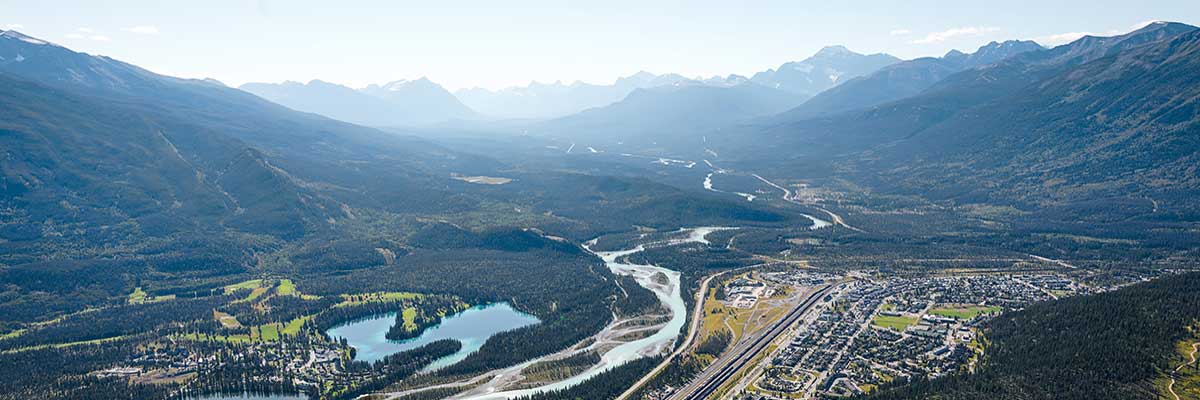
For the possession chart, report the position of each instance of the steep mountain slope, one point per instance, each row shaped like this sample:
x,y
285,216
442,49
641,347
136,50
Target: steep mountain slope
x,y
196,152
540,100
1123,125
1060,139
904,79
827,68
1089,48
669,113
112,177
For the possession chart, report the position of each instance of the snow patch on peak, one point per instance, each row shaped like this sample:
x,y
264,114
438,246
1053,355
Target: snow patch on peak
x,y
397,85
23,37
802,67
834,50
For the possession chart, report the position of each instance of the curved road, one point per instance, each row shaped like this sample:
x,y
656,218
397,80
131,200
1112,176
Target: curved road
x,y
693,329
787,196
1171,386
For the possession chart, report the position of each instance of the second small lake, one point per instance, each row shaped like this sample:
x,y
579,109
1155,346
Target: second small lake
x,y
472,327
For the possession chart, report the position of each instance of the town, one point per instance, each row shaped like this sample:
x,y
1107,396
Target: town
x,y
873,329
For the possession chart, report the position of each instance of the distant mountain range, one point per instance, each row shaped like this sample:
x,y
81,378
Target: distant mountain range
x,y
399,103
904,79
540,100
669,113
830,67
1100,122
423,102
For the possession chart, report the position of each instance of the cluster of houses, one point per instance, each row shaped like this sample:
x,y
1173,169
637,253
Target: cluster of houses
x,y
880,330
310,364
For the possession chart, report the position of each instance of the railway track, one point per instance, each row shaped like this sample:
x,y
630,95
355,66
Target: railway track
x,y
726,367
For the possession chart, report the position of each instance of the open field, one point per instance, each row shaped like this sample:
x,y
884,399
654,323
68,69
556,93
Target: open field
x,y
286,288
293,326
268,332
137,296
894,323
63,345
1185,370
226,320
250,284
963,312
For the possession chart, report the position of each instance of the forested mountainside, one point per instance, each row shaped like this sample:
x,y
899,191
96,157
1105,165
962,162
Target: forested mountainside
x,y
1041,129
1118,126
904,79
122,184
668,114
1057,350
164,237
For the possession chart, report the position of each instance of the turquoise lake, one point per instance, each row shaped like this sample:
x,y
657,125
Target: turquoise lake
x,y
472,327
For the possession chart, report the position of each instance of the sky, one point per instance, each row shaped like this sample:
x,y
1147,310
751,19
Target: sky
x,y
496,44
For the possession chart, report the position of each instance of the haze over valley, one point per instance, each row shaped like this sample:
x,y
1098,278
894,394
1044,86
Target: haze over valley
x,y
888,212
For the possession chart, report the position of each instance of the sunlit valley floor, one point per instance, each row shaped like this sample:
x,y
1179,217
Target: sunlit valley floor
x,y
1026,226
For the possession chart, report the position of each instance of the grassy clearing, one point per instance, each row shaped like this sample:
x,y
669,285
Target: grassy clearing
x,y
62,345
250,284
201,337
894,323
715,316
156,299
964,312
12,334
269,332
409,316
292,328
257,287
138,296
226,320
256,293
1186,372
351,299
286,288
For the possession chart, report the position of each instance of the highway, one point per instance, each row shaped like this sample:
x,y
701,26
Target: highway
x,y
697,317
735,359
693,330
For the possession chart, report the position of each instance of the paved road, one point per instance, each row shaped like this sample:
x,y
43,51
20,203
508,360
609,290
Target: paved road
x,y
733,360
1171,386
694,330
697,316
787,196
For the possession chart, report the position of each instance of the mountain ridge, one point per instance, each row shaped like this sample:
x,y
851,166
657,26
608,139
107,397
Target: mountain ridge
x,y
397,103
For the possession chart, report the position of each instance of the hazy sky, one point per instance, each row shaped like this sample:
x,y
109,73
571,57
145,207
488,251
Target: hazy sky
x,y
503,43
